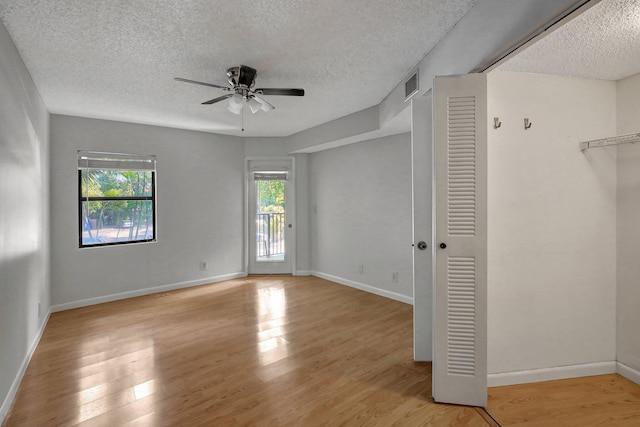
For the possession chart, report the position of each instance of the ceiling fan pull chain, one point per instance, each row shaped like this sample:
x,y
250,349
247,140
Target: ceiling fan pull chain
x,y
242,119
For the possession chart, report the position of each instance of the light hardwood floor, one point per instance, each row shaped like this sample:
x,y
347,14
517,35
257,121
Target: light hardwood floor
x,y
604,400
263,351
271,351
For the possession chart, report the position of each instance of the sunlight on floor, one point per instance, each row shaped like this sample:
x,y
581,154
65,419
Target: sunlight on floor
x,y
272,305
143,390
99,392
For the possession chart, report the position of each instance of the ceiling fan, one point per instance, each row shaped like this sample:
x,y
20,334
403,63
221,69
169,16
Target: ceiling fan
x,y
241,81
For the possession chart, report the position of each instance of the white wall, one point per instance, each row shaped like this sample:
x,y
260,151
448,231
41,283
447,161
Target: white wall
x,y
552,225
360,208
199,211
24,218
628,313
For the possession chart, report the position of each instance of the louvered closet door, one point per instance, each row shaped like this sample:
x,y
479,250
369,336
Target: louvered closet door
x,y
460,294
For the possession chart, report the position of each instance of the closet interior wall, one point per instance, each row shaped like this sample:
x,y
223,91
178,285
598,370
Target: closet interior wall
x,y
551,229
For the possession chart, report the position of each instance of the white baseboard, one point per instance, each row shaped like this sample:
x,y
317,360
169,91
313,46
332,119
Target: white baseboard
x,y
367,288
8,400
549,374
302,273
146,291
628,372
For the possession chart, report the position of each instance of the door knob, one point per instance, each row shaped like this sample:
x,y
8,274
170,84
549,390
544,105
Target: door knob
x,y
422,245
443,245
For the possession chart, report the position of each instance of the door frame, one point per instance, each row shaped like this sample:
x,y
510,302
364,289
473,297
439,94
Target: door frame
x,y
422,225
290,207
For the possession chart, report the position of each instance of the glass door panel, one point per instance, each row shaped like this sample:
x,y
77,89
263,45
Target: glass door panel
x,y
270,220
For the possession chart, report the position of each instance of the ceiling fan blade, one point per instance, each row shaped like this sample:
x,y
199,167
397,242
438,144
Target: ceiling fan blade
x,y
218,99
180,79
276,91
246,76
265,105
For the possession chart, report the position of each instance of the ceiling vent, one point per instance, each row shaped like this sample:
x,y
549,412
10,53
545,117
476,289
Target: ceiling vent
x,y
411,86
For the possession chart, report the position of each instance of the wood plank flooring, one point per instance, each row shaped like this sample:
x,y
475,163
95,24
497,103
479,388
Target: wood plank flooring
x,y
604,400
259,351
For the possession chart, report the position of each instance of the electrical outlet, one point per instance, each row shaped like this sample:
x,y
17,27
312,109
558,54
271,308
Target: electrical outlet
x,y
394,277
361,269
203,265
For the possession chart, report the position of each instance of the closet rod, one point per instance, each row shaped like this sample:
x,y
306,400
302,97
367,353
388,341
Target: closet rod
x,y
616,140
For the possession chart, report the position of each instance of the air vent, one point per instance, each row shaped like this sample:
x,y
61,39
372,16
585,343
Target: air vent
x,y
411,86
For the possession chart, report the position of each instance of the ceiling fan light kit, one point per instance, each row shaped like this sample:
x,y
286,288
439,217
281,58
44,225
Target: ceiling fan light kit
x,y
265,106
254,105
235,104
241,80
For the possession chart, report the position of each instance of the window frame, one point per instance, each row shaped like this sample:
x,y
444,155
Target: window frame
x,y
82,199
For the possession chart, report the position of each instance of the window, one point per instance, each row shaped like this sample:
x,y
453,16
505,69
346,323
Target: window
x,y
117,202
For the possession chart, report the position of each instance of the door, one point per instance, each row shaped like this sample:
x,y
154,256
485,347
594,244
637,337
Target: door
x,y
270,217
460,293
422,171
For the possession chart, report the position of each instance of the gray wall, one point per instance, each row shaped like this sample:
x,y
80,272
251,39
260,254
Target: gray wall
x,y
360,209
199,212
628,228
303,227
24,216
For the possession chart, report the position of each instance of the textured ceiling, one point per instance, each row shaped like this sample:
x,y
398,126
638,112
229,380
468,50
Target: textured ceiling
x,y
117,59
602,43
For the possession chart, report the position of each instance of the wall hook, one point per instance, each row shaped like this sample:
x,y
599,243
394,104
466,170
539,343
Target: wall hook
x,y
496,123
527,124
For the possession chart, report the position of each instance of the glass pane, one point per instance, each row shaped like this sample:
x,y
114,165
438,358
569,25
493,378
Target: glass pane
x,y
116,183
270,220
117,221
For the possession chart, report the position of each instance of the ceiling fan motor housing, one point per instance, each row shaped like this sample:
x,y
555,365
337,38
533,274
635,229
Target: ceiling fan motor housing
x,y
242,76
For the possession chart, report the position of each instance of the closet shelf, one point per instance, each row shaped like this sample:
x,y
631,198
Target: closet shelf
x,y
616,140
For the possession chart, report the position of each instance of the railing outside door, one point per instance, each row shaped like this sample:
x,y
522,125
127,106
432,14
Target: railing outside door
x,y
270,234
